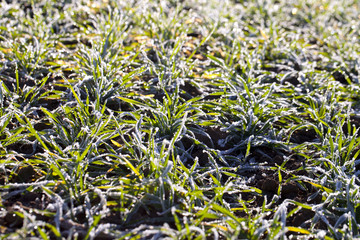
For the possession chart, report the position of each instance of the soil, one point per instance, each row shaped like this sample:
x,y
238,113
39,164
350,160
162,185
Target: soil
x,y
25,148
189,91
267,181
23,202
354,122
42,125
338,76
49,104
211,140
303,135
292,79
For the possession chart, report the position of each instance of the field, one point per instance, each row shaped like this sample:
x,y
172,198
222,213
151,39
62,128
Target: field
x,y
187,119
